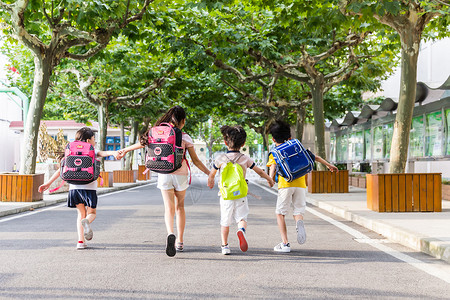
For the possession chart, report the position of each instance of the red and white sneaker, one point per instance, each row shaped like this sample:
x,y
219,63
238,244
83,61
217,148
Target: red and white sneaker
x,y
81,245
242,239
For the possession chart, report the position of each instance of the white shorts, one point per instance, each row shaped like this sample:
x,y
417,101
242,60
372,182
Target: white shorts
x,y
172,182
230,210
291,196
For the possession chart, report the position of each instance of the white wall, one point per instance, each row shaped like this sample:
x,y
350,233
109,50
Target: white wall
x,y
433,67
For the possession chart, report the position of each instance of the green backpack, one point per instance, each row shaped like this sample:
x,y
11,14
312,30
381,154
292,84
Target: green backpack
x,y
232,181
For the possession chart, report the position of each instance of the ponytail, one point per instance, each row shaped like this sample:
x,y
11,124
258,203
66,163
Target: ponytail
x,y
174,115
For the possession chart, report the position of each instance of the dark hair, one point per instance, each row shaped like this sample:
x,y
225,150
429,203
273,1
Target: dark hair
x,y
84,134
280,131
234,136
174,115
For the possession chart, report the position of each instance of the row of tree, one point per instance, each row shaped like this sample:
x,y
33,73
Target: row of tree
x,y
249,61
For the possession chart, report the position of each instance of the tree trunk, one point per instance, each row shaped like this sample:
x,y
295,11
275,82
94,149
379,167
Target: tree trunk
x,y
410,40
317,88
133,138
102,110
300,123
42,73
122,143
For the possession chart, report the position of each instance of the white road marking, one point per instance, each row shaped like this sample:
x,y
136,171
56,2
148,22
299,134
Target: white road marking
x,y
38,210
441,273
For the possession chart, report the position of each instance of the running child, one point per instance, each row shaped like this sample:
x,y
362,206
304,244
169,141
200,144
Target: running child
x,y
83,196
173,186
234,210
289,193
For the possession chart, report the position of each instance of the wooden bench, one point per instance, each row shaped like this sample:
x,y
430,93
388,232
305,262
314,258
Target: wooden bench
x,y
141,175
20,188
328,182
107,179
124,176
404,192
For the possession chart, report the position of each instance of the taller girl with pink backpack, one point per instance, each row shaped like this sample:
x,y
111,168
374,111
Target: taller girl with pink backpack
x,y
166,154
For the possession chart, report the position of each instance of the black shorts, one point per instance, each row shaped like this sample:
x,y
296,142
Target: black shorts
x,y
86,197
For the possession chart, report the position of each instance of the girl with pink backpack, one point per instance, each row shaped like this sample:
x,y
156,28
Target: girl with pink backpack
x,y
82,190
166,149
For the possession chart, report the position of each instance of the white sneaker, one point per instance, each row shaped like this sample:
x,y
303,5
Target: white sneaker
x,y
81,246
282,247
301,233
226,250
88,234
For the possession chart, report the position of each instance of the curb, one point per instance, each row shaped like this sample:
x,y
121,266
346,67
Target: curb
x,y
431,246
63,198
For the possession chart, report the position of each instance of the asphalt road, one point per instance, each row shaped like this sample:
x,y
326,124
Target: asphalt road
x,y
127,260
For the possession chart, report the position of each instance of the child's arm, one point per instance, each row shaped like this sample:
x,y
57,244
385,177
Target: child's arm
x,y
122,152
46,185
272,170
330,167
211,176
197,162
107,153
264,175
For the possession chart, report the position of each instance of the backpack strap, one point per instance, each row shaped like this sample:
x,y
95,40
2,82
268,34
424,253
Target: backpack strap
x,y
236,159
57,188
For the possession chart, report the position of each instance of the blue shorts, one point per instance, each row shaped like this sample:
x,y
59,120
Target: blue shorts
x,y
86,197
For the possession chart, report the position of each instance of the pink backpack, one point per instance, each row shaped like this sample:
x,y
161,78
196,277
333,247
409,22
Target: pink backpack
x,y
79,165
164,153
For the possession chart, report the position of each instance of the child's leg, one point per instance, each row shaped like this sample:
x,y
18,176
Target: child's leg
x,y
181,214
169,209
282,227
299,204
242,224
91,214
81,209
225,231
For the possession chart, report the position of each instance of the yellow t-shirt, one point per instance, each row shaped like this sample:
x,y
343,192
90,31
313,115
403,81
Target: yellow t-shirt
x,y
282,183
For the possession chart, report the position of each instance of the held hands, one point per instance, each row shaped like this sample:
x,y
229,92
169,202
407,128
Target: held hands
x,y
270,182
120,154
210,181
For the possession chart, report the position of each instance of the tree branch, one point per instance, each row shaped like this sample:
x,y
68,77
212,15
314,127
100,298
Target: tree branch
x,y
157,83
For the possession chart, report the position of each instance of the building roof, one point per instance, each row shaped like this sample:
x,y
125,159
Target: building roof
x,y
424,95
63,124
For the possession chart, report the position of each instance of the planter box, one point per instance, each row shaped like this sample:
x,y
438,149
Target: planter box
x,y
354,181
20,188
107,179
446,191
362,182
124,176
328,182
141,175
404,192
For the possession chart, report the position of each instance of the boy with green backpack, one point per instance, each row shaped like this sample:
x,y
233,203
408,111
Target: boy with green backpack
x,y
233,186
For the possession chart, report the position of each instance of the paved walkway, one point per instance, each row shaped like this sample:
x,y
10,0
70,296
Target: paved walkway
x,y
425,232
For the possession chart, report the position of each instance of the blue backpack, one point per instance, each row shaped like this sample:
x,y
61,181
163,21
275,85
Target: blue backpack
x,y
293,160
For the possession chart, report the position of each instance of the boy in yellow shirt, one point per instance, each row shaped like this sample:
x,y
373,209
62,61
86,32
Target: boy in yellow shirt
x,y
289,193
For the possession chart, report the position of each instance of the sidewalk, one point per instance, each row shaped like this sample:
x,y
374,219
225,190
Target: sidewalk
x,y
9,208
427,232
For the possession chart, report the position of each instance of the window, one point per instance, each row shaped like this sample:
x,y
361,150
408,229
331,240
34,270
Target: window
x,y
378,142
416,141
447,117
359,145
367,144
333,148
342,146
389,131
434,134
112,144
